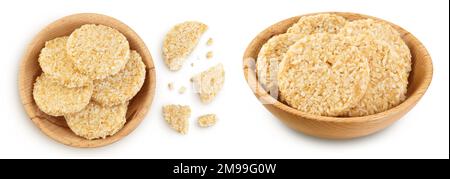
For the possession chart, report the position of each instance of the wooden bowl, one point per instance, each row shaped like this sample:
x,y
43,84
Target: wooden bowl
x,y
56,127
340,127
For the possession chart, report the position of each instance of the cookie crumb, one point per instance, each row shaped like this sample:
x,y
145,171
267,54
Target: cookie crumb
x,y
123,86
210,42
207,120
320,23
269,58
182,90
390,61
209,55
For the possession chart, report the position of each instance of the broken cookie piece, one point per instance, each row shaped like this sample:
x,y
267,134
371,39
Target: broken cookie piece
x,y
207,120
208,83
178,117
209,55
180,41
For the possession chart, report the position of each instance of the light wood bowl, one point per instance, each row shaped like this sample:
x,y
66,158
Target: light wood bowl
x,y
56,127
340,127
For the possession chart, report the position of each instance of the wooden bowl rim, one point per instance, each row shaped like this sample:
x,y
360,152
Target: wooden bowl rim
x,y
132,124
263,95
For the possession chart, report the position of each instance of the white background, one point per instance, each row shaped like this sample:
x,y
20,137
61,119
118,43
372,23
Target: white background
x,y
245,128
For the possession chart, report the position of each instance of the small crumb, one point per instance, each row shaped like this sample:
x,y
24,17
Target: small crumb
x,y
209,55
191,79
180,41
207,120
210,41
170,86
182,90
192,64
122,86
178,117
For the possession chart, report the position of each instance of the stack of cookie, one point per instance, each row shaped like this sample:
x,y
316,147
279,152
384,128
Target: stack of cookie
x,y
327,65
89,78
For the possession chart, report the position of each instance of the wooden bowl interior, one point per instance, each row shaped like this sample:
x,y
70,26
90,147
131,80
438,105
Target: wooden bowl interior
x,y
56,127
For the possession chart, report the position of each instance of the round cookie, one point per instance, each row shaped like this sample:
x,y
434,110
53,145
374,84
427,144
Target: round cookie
x,y
270,56
390,62
97,121
122,86
98,51
55,62
56,99
323,74
319,23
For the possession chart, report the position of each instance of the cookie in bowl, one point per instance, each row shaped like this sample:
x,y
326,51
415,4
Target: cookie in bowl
x,y
346,95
